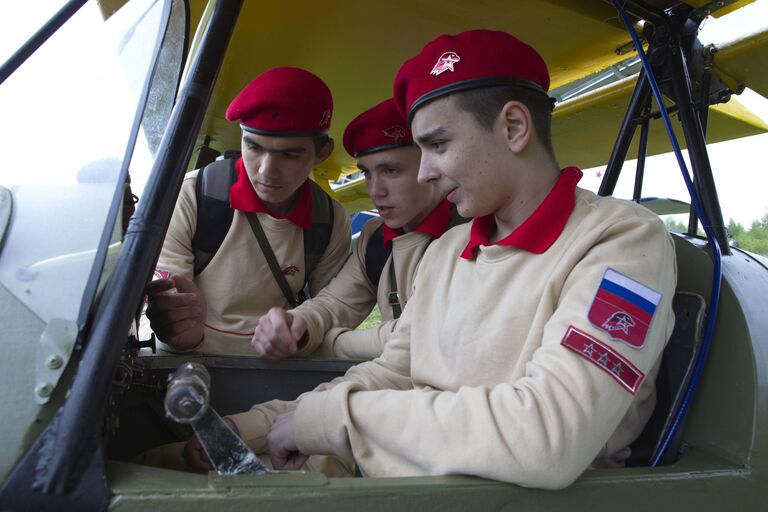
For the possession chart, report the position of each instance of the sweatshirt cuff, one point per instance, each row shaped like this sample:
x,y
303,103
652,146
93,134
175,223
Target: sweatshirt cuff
x,y
318,423
252,427
312,338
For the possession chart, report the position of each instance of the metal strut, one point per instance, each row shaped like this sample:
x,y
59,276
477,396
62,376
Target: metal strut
x,y
668,54
701,169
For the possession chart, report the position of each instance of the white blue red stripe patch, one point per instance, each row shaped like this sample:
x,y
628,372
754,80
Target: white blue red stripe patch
x,y
604,357
624,308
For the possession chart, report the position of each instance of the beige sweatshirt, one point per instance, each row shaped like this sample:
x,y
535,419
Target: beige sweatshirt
x,y
237,283
485,374
348,299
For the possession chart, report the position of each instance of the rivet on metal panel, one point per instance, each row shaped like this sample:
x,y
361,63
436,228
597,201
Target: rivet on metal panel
x,y
44,390
54,362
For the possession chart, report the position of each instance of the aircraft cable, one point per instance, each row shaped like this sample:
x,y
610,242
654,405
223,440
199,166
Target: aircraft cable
x,y
716,256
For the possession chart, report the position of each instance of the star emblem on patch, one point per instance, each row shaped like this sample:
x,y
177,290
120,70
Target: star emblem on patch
x,y
445,63
394,132
604,357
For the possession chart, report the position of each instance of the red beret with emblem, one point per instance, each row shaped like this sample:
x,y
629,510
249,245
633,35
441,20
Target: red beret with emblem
x,y
380,128
469,60
284,102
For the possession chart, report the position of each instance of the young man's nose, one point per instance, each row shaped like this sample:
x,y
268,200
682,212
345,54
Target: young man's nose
x,y
268,166
376,187
428,172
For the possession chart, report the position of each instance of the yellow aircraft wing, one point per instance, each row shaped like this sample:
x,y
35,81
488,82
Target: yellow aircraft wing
x,y
357,48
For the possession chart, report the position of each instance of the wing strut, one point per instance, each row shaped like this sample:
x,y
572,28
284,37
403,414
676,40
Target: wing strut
x,y
672,39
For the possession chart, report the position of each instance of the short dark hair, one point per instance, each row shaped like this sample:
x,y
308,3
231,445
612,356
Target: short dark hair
x,y
320,141
485,104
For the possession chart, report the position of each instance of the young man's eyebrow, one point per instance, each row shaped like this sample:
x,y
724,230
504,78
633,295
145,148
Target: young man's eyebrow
x,y
387,165
296,149
426,137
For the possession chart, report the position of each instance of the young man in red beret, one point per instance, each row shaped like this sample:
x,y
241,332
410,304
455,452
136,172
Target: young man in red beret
x,y
284,114
529,348
384,258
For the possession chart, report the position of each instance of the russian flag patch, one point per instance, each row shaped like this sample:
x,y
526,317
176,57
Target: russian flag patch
x,y
624,308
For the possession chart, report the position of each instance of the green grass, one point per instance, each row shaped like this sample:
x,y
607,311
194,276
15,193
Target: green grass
x,y
373,319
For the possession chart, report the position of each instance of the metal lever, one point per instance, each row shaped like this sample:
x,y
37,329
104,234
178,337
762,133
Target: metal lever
x,y
187,401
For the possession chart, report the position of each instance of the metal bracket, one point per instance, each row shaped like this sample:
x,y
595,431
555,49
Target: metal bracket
x,y
56,344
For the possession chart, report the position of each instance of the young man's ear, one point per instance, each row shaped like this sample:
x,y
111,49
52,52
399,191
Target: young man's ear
x,y
324,152
517,125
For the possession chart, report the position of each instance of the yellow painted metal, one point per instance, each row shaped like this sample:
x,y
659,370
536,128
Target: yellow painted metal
x,y
745,62
585,128
357,48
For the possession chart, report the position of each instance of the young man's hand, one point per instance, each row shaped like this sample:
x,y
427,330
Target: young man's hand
x,y
176,311
195,456
278,335
282,446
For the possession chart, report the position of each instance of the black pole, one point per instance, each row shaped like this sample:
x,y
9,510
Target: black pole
x,y
704,100
71,444
697,148
642,151
40,37
640,97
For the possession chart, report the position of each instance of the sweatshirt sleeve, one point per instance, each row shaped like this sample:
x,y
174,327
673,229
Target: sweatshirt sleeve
x,y
336,252
540,430
176,255
357,344
343,303
389,371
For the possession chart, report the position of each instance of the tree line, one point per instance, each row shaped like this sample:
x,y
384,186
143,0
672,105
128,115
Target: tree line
x,y
754,239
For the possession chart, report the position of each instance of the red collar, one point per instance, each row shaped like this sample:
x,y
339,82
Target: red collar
x,y
539,231
243,197
434,224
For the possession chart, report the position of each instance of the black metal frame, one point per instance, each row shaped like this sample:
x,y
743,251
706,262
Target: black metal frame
x,y
671,37
64,468
39,37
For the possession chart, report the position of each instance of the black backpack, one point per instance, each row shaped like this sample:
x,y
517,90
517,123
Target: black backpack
x,y
214,216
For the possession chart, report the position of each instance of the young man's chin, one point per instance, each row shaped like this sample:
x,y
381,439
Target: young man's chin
x,y
393,224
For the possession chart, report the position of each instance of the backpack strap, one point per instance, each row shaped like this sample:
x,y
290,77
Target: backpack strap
x,y
318,236
376,255
214,215
393,297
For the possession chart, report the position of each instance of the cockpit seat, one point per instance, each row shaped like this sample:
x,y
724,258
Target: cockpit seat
x,y
677,367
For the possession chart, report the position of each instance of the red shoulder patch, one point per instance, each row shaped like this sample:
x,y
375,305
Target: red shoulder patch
x,y
604,357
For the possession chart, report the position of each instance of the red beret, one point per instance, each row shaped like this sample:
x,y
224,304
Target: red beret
x,y
380,128
284,102
469,60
